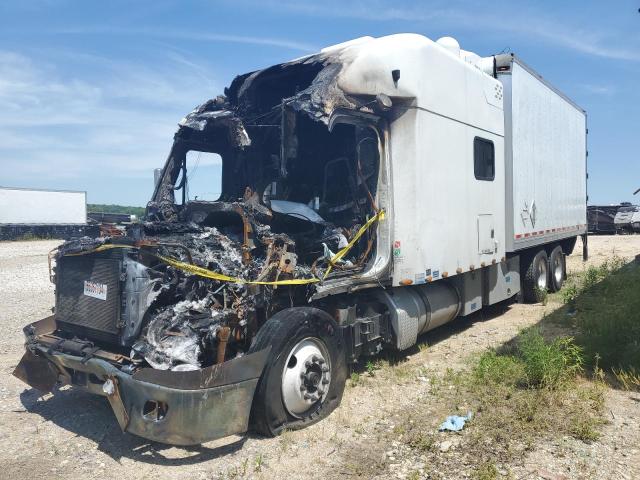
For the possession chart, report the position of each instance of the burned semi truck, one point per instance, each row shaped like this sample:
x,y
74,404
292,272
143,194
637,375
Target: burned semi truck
x,y
370,192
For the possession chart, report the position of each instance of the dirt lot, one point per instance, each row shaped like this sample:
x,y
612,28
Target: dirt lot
x,y
72,434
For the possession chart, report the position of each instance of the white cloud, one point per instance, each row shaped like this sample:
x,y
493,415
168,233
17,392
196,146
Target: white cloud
x,y
598,89
521,22
192,35
119,124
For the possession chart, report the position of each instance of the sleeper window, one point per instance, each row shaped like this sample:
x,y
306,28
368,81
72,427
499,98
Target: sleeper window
x,y
484,160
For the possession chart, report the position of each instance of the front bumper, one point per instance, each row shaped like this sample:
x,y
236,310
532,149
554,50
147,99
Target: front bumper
x,y
178,408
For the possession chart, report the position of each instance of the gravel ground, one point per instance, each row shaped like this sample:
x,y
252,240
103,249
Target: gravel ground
x,y
72,434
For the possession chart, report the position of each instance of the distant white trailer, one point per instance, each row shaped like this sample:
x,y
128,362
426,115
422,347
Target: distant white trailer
x,y
23,206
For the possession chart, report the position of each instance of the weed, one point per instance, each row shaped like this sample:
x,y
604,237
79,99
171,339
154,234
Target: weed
x,y
570,292
494,368
371,368
257,467
245,464
550,364
355,379
486,471
420,440
286,439
629,379
585,428
591,276
542,295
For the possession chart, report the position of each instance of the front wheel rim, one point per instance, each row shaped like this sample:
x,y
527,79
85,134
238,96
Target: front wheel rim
x,y
306,376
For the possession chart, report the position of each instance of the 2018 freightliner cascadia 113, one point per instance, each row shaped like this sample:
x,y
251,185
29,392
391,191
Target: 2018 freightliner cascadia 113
x,y
370,192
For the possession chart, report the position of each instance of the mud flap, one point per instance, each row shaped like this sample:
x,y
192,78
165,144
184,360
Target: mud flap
x,y
37,372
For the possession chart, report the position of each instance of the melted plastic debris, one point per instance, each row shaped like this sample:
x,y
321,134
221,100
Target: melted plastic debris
x,y
174,336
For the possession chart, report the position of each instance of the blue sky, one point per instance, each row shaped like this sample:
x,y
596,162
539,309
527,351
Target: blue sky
x,y
91,92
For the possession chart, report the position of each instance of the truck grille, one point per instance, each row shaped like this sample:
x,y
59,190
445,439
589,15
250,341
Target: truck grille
x,y
88,309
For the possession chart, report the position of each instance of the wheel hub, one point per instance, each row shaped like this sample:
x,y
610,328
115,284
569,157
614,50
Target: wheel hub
x,y
306,376
542,275
557,269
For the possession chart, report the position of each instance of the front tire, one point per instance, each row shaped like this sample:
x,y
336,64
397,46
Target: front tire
x,y
304,378
536,278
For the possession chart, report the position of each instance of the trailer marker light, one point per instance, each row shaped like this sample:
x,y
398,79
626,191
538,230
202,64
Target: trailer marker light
x,y
445,274
458,270
406,281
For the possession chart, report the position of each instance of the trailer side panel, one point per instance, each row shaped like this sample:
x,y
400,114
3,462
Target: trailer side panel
x,y
545,156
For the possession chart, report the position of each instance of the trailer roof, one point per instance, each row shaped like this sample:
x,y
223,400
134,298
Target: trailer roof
x,y
42,190
506,59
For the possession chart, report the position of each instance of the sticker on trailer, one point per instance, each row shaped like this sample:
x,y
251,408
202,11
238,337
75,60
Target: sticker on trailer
x,y
95,290
419,278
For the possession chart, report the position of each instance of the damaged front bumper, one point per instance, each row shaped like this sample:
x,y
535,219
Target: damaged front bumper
x,y
178,408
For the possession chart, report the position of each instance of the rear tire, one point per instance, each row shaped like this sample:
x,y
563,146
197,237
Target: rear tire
x,y
557,269
304,378
536,278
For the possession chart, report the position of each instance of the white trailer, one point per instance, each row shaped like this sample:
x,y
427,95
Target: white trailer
x,y
27,206
42,213
545,158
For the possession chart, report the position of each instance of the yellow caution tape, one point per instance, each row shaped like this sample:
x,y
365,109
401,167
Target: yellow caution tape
x,y
206,273
341,253
203,272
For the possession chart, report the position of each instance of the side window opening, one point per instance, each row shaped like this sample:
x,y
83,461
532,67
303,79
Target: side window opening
x,y
204,176
484,161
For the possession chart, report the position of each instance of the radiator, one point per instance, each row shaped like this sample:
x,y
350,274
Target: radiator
x,y
88,296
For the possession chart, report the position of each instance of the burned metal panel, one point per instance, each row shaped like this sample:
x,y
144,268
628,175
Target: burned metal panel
x,y
235,370
36,372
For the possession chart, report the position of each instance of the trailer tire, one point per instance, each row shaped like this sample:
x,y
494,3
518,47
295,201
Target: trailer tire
x,y
289,384
557,269
536,278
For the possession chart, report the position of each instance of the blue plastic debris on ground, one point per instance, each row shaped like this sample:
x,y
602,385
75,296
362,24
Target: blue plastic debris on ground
x,y
455,423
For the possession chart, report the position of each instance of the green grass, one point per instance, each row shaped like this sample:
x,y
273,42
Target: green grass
x,y
486,471
534,363
529,390
604,304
